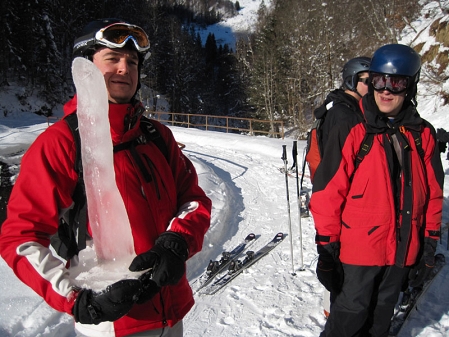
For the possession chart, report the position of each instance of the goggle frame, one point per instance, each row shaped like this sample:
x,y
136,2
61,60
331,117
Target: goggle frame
x,y
134,33
394,84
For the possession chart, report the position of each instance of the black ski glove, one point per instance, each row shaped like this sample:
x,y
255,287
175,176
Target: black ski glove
x,y
443,139
108,305
149,288
329,269
442,147
423,268
166,259
442,135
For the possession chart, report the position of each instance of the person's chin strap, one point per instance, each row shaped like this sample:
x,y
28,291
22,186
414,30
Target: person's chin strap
x,y
357,93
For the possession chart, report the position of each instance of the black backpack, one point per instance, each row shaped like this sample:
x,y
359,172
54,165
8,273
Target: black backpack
x,y
71,236
315,140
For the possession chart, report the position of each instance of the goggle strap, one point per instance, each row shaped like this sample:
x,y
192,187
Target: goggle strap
x,y
86,40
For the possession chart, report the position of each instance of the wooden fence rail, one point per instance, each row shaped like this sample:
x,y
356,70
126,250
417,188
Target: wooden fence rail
x,y
212,123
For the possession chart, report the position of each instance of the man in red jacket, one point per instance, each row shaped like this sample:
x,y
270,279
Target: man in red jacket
x,y
168,212
378,216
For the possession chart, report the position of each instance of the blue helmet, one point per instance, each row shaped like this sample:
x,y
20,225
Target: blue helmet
x,y
398,59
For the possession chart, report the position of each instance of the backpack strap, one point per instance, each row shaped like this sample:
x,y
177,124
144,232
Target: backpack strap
x,y
72,230
365,147
79,215
367,143
150,134
418,142
153,135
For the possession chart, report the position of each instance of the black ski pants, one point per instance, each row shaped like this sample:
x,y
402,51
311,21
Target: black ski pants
x,y
366,303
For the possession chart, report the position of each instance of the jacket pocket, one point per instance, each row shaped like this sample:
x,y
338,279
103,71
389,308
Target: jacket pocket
x,y
364,237
151,311
414,246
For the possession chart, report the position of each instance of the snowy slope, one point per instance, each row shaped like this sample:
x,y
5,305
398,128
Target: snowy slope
x,y
241,175
230,29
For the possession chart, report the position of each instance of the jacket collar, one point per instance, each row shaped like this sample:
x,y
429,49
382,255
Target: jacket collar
x,y
124,119
340,95
376,122
336,96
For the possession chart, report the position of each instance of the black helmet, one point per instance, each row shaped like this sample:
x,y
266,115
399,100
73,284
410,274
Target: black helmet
x,y
112,33
398,59
351,70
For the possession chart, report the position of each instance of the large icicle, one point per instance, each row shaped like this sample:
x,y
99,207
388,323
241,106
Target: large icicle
x,y
107,214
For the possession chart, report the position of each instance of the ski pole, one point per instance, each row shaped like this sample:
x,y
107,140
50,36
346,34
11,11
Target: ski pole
x,y
298,200
284,158
303,166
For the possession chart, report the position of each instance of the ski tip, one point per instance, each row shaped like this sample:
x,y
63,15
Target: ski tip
x,y
280,235
251,236
440,257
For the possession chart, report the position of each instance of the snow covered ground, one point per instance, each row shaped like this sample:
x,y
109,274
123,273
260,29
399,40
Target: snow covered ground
x,y
241,176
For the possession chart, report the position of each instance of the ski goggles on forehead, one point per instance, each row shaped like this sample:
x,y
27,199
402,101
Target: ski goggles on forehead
x,y
117,35
393,83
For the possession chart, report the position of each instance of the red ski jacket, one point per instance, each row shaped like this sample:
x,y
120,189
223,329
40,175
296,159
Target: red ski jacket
x,y
172,200
380,211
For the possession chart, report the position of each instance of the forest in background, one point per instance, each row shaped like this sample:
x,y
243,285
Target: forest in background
x,y
283,70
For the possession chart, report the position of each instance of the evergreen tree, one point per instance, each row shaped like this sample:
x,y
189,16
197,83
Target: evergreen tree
x,y
211,50
237,6
281,71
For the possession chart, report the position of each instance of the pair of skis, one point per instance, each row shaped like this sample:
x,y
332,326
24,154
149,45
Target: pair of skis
x,y
410,298
216,267
235,266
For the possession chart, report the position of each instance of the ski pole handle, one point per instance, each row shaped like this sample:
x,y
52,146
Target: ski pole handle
x,y
284,153
295,149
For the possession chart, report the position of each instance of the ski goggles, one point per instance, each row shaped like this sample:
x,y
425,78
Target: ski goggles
x,y
117,35
392,83
364,80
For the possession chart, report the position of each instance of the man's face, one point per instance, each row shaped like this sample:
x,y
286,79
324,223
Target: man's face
x,y
388,103
362,88
120,70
